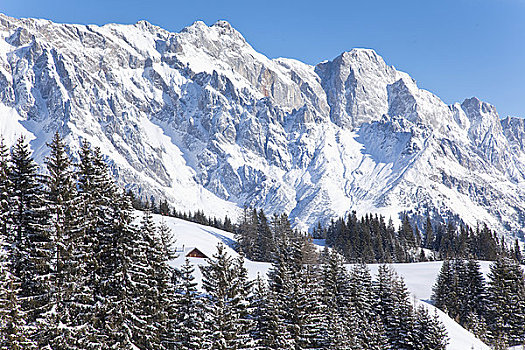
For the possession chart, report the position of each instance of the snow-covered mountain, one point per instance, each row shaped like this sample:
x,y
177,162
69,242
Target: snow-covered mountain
x,y
201,118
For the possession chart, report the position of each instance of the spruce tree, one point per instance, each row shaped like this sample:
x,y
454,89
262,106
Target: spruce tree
x,y
258,305
114,260
87,331
29,239
167,241
428,242
429,332
270,325
406,233
291,282
516,253
246,233
13,327
460,291
402,327
269,330
226,285
188,314
243,288
341,324
62,203
4,190
444,293
265,243
506,302
280,277
475,292
310,317
460,309
125,275
153,286
394,309
370,333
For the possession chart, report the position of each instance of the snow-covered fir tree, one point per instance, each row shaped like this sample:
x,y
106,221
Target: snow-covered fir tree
x,y
125,285
188,326
29,239
474,302
430,334
310,311
281,281
4,189
460,291
394,309
287,282
401,329
225,282
167,241
443,292
429,238
96,195
506,303
269,330
117,265
341,322
264,246
370,332
13,327
153,285
63,205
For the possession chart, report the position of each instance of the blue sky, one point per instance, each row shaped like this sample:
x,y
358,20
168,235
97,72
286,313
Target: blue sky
x,y
456,49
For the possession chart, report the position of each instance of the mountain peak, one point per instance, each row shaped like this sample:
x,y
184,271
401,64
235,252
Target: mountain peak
x,y
223,24
147,26
143,23
362,54
225,28
220,29
474,106
363,51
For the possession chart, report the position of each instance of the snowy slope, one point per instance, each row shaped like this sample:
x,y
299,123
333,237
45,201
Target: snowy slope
x,y
202,119
419,277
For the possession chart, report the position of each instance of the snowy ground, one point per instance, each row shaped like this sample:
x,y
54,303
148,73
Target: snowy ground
x,y
419,277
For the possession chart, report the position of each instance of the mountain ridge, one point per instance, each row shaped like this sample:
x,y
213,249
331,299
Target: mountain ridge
x,y
202,119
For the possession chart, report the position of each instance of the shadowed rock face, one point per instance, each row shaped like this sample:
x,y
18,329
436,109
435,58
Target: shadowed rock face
x,y
201,118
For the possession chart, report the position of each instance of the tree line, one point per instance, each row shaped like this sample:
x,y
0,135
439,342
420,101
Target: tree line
x,y
162,207
493,310
260,239
372,239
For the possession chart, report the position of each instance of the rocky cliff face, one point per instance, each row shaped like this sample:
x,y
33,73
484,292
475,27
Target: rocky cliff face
x,y
201,118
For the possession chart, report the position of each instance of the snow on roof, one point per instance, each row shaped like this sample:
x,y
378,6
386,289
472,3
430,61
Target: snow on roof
x,y
184,251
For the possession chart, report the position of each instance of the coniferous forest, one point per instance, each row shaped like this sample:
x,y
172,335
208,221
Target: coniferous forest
x,y
372,239
493,310
77,273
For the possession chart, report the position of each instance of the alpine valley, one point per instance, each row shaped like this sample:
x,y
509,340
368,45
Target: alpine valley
x,y
203,120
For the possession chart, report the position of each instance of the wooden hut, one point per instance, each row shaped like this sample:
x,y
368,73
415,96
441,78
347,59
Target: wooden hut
x,y
193,252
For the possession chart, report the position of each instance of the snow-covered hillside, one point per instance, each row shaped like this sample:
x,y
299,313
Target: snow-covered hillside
x,y
202,119
419,277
